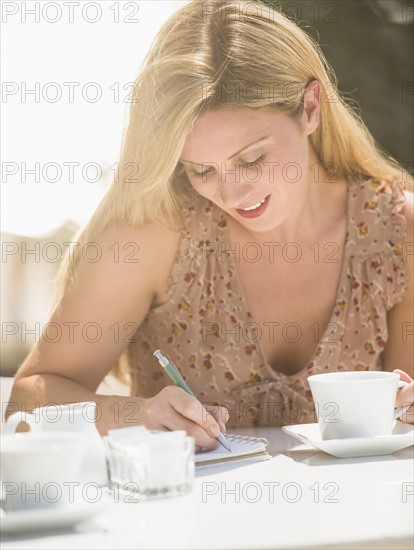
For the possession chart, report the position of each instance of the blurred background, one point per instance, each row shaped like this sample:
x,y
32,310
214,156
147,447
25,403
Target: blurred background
x,y
65,83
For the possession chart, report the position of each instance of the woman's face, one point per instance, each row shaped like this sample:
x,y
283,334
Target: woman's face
x,y
253,164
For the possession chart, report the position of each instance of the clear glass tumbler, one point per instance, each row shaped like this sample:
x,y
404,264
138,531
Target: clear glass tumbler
x,y
152,464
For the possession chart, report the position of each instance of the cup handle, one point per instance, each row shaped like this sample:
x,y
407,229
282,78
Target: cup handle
x,y
16,418
401,410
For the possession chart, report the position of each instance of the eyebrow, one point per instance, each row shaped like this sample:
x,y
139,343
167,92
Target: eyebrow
x,y
232,156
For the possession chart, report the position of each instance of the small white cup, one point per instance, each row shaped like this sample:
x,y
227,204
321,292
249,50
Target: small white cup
x,y
70,418
39,469
355,403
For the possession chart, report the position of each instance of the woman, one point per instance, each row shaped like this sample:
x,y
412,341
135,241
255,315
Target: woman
x,y
255,234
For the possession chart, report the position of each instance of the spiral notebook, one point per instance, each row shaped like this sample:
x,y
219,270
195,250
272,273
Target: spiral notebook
x,y
242,446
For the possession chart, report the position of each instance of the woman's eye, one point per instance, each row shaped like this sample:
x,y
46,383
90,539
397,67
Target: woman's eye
x,y
241,163
254,162
202,174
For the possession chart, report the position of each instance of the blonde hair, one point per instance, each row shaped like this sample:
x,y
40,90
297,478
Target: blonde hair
x,y
210,55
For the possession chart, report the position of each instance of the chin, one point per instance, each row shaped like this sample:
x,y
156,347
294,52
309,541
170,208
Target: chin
x,y
260,226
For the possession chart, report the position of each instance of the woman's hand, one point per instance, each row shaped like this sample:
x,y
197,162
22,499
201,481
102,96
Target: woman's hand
x,y
174,409
405,396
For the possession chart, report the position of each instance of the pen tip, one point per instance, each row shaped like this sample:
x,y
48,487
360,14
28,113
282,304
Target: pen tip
x,y
223,441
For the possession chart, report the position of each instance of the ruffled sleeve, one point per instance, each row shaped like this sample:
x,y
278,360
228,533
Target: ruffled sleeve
x,y
394,276
379,233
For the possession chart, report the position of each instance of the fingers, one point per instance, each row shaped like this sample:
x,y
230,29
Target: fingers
x,y
189,407
178,410
405,395
220,413
176,421
403,375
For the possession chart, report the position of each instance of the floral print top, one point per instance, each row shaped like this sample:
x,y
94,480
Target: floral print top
x,y
198,327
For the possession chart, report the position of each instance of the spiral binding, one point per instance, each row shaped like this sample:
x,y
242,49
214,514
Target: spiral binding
x,y
234,438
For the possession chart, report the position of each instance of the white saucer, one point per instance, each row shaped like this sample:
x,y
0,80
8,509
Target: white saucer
x,y
402,436
49,518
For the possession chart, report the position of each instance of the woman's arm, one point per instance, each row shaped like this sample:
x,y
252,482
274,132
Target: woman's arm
x,y
111,292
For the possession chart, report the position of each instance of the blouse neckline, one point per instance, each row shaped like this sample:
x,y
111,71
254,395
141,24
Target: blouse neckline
x,y
334,318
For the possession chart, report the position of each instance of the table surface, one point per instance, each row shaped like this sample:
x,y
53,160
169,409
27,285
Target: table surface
x,y
300,498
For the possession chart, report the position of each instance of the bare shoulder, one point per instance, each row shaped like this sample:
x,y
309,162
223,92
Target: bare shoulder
x,y
131,270
111,291
153,229
149,250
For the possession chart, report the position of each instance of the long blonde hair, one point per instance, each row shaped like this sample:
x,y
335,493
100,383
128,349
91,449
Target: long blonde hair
x,y
211,54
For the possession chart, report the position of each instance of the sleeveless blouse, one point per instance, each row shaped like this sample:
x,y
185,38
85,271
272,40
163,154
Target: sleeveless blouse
x,y
206,329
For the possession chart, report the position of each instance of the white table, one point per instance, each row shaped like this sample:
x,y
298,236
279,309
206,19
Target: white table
x,y
301,498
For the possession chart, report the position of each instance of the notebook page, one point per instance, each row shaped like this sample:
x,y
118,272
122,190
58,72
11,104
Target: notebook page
x,y
240,446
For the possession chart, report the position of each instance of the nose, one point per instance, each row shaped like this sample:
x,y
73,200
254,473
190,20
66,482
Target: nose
x,y
234,193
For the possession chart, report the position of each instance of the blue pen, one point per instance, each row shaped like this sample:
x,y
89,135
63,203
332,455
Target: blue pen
x,y
179,381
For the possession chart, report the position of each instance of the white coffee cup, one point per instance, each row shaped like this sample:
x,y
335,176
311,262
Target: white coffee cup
x,y
72,418
355,403
40,469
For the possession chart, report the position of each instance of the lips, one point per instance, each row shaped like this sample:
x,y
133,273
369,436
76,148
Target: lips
x,y
254,210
